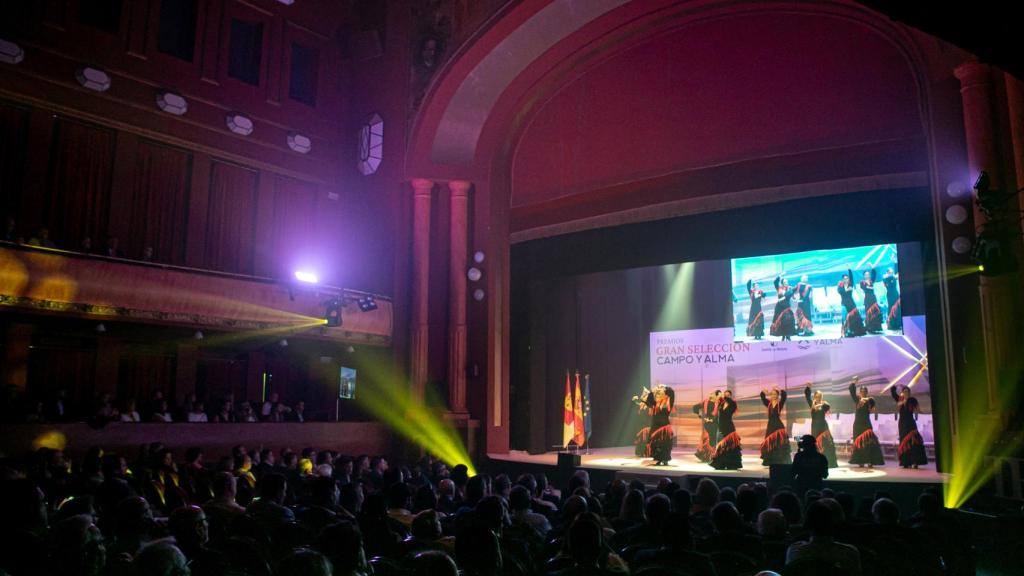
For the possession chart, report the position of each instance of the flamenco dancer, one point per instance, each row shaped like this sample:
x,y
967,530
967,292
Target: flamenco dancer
x,y
708,413
656,440
819,425
872,311
755,320
894,319
775,446
866,449
911,450
804,326
728,453
783,322
852,324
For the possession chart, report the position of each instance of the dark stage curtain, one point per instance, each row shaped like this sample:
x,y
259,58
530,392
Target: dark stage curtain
x,y
230,219
159,208
13,130
81,170
293,231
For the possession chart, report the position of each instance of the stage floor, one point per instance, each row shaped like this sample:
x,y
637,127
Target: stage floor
x,y
685,463
821,332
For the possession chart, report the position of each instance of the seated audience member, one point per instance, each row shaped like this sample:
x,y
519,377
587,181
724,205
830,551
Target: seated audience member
x,y
631,511
433,563
25,529
195,477
105,410
246,413
165,490
821,548
774,532
478,552
268,507
298,413
86,246
147,254
191,532
730,534
133,526
270,407
130,414
587,548
58,408
676,550
197,413
399,501
161,558
323,509
305,562
225,414
162,413
426,534
113,247
42,239
647,535
342,543
247,481
352,497
519,506
115,486
790,505
77,548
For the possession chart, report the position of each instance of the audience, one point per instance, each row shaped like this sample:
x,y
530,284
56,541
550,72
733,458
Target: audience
x,y
168,517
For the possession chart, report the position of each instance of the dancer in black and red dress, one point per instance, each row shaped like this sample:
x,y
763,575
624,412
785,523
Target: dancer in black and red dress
x,y
872,311
775,446
819,425
804,326
783,321
656,441
852,323
708,413
728,451
866,449
911,450
894,318
755,320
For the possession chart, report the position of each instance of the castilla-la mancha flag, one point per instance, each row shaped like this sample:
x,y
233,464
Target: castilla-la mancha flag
x,y
580,433
568,422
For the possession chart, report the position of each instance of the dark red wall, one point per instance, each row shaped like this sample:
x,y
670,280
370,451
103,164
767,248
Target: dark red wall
x,y
716,92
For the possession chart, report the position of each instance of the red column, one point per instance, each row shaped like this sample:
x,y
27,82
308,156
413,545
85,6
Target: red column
x,y
459,207
421,204
976,91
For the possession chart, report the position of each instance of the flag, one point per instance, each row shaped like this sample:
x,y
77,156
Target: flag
x,y
579,435
568,422
587,428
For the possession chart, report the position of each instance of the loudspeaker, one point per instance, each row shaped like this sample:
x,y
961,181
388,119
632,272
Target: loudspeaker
x,y
567,460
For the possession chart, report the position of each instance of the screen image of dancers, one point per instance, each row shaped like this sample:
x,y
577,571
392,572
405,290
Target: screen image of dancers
x,y
872,311
755,319
853,325
656,441
804,325
866,449
775,446
819,425
911,449
783,322
728,451
894,318
707,411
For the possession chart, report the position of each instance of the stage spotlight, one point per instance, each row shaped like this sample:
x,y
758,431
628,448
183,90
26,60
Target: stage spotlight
x,y
478,294
478,257
101,328
366,303
961,245
198,335
474,274
332,312
306,276
283,342
350,349
981,267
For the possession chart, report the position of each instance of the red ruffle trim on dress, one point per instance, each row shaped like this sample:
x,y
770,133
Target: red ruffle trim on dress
x,y
825,436
909,441
730,442
866,438
777,322
893,309
774,440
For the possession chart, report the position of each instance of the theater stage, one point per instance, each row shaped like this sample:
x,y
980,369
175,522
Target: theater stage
x,y
684,463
